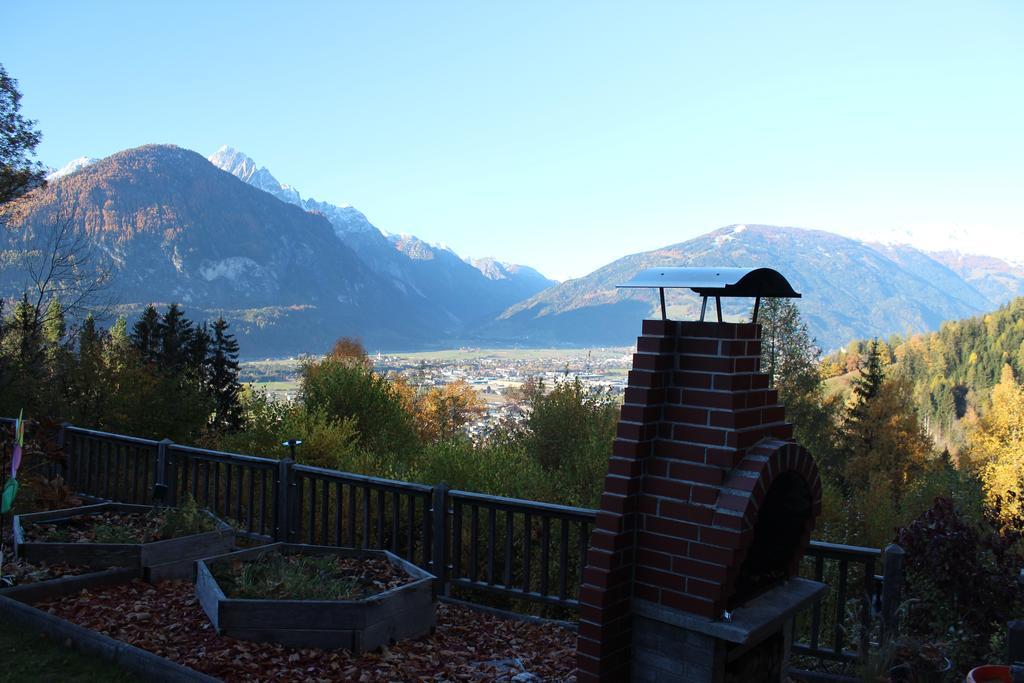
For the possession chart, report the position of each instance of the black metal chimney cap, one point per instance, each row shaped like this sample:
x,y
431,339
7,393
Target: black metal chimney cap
x,y
717,282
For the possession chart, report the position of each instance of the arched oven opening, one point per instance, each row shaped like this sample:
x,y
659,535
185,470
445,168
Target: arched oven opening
x,y
782,522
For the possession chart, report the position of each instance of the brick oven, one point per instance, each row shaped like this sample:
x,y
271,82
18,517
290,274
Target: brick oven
x,y
707,508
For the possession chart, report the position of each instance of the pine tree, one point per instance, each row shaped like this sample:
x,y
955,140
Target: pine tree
x,y
859,433
791,360
118,344
222,371
89,377
882,436
176,334
54,327
89,339
54,331
872,374
197,353
145,335
28,338
25,360
119,332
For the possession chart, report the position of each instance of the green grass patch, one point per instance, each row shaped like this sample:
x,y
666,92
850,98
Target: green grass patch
x,y
284,576
27,656
841,384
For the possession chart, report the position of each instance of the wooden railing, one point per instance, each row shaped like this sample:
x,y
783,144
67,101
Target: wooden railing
x,y
113,466
523,548
827,631
474,543
240,488
334,508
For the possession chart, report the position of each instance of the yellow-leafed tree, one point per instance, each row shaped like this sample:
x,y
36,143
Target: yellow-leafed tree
x,y
882,435
997,444
443,412
885,439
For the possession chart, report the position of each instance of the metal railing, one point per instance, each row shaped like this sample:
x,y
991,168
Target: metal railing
x,y
472,542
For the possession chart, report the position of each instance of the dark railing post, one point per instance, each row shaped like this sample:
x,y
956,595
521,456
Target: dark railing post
x,y
867,593
283,521
892,589
438,550
1015,642
163,485
61,440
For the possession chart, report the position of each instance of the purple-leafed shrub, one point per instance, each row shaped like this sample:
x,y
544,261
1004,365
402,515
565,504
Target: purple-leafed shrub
x,y
963,580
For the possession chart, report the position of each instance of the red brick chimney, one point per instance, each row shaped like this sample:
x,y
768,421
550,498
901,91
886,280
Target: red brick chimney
x,y
701,441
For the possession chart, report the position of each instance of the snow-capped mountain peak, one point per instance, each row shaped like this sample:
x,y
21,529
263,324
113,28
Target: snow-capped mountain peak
x,y
492,268
70,167
342,216
973,239
244,168
425,270
234,162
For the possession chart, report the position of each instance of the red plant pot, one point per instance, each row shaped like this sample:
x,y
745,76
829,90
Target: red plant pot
x,y
989,673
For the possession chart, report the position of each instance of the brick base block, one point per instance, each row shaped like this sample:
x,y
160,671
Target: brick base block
x,y
666,653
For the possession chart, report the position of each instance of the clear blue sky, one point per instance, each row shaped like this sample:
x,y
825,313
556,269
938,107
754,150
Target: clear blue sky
x,y
562,134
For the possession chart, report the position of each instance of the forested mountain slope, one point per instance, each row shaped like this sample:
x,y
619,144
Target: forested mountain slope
x,y
954,369
170,227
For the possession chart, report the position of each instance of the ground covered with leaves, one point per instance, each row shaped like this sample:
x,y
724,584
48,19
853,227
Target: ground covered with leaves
x,y
21,571
298,576
166,619
111,526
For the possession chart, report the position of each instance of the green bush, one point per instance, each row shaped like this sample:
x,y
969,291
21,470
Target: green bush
x,y
345,390
569,433
353,420
326,441
503,469
186,519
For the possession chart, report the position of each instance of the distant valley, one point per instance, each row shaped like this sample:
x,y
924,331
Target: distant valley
x,y
222,235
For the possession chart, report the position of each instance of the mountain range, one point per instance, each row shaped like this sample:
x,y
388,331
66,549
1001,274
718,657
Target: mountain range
x,y
223,236
468,293
850,289
290,275
171,227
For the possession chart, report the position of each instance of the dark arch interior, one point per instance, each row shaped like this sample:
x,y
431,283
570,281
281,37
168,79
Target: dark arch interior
x,y
780,526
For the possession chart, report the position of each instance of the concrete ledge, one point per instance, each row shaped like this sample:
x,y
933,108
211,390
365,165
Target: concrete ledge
x,y
147,665
751,623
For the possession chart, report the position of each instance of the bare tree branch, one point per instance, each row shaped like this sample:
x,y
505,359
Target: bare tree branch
x,y
61,262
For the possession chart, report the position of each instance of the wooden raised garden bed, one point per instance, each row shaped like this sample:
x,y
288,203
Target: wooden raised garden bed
x,y
361,599
119,535
50,588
